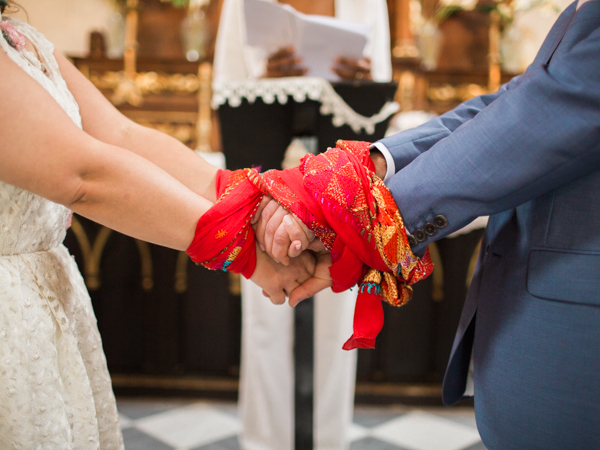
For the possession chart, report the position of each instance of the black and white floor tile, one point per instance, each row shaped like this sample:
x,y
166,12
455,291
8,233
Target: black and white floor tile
x,y
202,425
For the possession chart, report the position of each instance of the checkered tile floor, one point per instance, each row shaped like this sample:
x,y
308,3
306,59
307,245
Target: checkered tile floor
x,y
200,425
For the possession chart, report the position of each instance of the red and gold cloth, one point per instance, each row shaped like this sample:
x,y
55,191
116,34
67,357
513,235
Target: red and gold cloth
x,y
339,197
224,238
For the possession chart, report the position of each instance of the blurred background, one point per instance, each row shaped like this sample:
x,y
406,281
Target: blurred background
x,y
172,329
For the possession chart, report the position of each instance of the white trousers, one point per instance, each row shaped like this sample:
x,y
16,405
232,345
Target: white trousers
x,y
266,401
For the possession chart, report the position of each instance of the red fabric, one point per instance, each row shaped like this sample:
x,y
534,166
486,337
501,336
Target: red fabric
x,y
368,321
224,238
338,196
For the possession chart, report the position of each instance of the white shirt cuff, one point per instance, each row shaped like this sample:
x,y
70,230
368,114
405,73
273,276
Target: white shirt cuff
x,y
391,166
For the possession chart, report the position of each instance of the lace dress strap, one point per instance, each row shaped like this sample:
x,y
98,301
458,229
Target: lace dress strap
x,y
45,70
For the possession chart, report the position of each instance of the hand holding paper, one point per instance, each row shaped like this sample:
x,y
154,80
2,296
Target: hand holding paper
x,y
319,41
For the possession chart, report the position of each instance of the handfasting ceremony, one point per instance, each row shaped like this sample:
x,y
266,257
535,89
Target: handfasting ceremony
x,y
300,224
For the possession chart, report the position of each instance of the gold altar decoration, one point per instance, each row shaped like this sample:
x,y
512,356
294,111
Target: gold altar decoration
x,y
127,90
404,44
148,82
494,56
181,276
92,255
204,124
450,93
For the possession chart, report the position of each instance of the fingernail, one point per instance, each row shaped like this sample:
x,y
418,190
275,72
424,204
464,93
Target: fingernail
x,y
262,247
288,220
298,246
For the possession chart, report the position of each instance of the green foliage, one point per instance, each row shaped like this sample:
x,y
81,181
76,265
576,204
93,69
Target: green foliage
x,y
442,13
179,3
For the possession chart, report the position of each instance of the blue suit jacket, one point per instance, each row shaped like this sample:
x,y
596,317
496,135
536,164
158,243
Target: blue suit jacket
x,y
529,156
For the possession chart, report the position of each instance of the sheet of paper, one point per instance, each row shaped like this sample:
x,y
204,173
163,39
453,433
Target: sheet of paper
x,y
269,26
323,39
318,40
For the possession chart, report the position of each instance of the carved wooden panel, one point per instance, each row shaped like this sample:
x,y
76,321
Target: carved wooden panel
x,y
159,32
465,42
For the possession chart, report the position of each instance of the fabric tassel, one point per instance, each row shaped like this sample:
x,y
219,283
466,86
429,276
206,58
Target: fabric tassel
x,y
368,321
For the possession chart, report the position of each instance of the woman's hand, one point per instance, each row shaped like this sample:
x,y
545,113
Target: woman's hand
x,y
285,63
281,234
353,69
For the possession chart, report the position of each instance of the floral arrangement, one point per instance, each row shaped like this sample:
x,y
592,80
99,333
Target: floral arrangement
x,y
507,10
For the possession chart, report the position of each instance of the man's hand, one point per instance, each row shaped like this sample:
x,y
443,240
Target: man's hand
x,y
285,63
279,281
280,233
353,69
379,162
319,281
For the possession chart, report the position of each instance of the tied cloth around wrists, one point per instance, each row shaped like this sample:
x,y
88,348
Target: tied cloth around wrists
x,y
339,197
224,238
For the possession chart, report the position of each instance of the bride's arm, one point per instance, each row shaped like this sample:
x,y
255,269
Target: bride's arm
x,y
44,152
104,122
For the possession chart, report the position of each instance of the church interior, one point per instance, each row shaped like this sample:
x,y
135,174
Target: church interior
x,y
172,330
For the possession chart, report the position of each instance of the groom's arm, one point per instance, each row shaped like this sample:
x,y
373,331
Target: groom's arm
x,y
401,149
388,155
395,152
532,139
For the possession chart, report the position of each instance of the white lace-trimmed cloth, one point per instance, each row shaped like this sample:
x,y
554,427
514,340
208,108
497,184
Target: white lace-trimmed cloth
x,y
55,390
300,89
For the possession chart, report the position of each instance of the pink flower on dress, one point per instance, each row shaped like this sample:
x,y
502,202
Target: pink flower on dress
x,y
12,36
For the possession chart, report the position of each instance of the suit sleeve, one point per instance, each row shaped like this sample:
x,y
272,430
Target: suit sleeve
x,y
407,145
532,139
404,147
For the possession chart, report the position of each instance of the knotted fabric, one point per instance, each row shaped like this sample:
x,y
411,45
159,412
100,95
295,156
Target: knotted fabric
x,y
224,238
339,197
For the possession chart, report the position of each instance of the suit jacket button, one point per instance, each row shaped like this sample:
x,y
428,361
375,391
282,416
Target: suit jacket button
x,y
420,235
440,221
430,229
411,240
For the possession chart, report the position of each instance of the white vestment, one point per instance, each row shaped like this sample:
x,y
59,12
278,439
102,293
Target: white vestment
x,y
267,377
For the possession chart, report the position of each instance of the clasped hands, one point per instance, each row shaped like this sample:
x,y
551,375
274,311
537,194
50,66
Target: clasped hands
x,y
291,261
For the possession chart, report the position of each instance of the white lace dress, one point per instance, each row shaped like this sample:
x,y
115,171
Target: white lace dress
x,y
55,390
